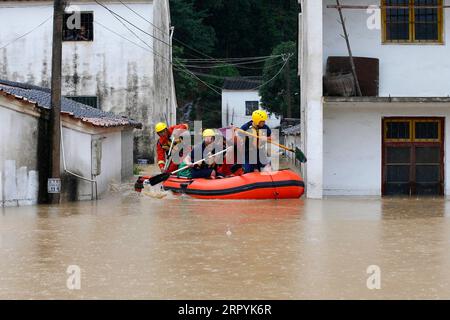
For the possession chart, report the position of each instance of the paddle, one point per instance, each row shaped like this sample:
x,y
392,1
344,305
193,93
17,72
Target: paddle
x,y
164,176
169,155
299,155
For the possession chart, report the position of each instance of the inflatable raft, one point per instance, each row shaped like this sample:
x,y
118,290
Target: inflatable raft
x,y
283,184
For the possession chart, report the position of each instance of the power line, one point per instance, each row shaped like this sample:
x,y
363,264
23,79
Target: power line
x,y
138,28
123,37
176,65
210,86
181,42
25,34
276,75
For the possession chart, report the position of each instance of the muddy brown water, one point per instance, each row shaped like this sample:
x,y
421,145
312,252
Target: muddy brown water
x,y
139,247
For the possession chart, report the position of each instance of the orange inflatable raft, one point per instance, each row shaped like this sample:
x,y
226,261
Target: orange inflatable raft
x,y
283,184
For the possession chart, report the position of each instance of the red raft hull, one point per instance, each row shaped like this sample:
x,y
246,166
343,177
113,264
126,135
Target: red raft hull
x,y
283,184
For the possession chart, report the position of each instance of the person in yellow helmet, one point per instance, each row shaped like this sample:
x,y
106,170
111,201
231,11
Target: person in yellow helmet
x,y
258,127
165,134
207,169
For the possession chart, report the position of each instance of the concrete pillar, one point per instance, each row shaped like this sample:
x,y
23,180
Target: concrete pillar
x,y
311,93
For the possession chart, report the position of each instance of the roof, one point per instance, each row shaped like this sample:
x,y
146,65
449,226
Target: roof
x,y
242,83
41,98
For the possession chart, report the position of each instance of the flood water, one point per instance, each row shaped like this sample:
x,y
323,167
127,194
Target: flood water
x,y
140,247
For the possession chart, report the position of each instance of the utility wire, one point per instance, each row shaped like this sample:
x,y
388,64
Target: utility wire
x,y
210,86
135,26
276,75
25,34
122,36
176,66
221,60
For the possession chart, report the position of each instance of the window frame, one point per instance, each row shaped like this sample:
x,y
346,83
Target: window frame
x,y
81,12
257,107
412,29
412,129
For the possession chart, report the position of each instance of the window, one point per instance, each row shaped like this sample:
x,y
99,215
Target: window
x,y
412,21
87,100
85,32
412,130
251,106
413,153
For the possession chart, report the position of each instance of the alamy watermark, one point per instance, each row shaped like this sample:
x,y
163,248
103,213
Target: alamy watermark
x,y
74,280
374,280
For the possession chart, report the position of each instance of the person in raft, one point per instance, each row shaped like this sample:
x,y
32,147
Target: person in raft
x,y
209,167
166,134
255,155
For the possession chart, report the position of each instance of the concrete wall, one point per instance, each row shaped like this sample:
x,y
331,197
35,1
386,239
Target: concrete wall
x,y
19,176
78,152
235,101
353,144
405,70
127,79
18,152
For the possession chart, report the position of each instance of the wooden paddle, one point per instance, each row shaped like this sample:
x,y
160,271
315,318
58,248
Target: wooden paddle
x,y
164,176
299,155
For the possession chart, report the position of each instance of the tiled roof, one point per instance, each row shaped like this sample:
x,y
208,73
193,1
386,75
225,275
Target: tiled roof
x,y
41,98
241,83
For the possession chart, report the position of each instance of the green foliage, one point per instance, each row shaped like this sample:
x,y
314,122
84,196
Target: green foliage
x,y
230,29
274,95
190,27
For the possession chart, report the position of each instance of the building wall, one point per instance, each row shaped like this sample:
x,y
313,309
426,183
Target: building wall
x,y
127,78
405,70
19,175
235,101
18,157
353,144
78,153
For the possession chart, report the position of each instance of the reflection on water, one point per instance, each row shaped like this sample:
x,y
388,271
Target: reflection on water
x,y
131,246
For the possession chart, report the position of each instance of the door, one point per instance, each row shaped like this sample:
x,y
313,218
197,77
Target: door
x,y
413,153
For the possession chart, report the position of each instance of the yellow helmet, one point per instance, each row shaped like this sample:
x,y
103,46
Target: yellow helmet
x,y
209,133
258,116
160,126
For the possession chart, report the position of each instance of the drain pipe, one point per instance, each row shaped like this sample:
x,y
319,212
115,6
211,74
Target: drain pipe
x,y
93,182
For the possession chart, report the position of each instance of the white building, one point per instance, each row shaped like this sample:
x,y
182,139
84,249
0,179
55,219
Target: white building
x,y
393,141
107,63
97,147
240,98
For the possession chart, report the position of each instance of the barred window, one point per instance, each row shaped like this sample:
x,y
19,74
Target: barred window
x,y
251,106
412,21
87,100
83,32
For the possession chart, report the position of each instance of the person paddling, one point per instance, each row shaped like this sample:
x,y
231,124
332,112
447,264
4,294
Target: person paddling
x,y
258,127
164,145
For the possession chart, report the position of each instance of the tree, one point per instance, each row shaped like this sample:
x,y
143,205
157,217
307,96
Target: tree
x,y
190,27
275,96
